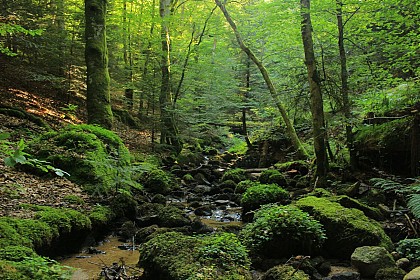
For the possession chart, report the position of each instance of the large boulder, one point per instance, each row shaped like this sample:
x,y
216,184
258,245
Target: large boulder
x,y
369,259
346,229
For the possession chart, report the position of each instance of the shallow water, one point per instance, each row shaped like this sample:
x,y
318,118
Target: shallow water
x,y
89,266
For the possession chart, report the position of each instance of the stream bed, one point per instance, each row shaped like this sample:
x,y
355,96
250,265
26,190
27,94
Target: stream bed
x,y
89,266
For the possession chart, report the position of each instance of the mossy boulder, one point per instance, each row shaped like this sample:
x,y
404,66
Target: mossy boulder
x,y
242,186
346,228
260,194
272,176
93,156
236,175
348,202
283,272
282,231
390,273
100,215
157,181
301,166
161,215
175,256
368,259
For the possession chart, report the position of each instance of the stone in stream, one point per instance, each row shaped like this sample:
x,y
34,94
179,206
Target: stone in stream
x,y
413,274
369,259
204,210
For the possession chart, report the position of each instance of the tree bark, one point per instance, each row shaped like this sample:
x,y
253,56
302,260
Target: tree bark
x,y
345,84
96,55
168,128
289,126
317,108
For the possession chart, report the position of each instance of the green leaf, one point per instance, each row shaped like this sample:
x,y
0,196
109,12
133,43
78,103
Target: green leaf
x,y
4,136
9,162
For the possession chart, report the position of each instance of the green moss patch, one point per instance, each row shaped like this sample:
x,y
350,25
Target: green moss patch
x,y
260,194
235,175
173,256
346,229
282,231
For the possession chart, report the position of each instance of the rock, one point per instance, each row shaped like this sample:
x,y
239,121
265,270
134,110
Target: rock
x,y
204,210
199,227
403,263
202,189
413,274
368,259
348,275
282,272
346,229
390,273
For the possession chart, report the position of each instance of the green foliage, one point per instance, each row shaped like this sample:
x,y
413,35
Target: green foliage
x,y
101,215
261,194
223,250
237,146
409,248
281,231
236,175
43,269
346,229
16,253
74,199
272,176
281,272
173,255
242,186
389,135
38,232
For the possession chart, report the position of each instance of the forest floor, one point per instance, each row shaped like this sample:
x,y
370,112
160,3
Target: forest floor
x,y
44,100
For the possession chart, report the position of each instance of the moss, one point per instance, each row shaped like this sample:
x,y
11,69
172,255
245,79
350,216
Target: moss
x,y
282,272
299,165
16,253
346,229
173,255
261,194
188,178
348,202
228,184
15,112
157,181
9,272
388,135
101,215
281,231
38,232
92,155
272,176
390,273
164,216
10,236
320,192
242,186
74,199
235,175
124,205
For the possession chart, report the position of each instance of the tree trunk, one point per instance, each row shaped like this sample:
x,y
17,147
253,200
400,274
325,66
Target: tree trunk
x,y
96,55
289,126
168,128
345,85
317,108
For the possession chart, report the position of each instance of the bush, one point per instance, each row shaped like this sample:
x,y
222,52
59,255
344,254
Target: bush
x,y
261,194
235,175
272,176
242,186
281,231
409,248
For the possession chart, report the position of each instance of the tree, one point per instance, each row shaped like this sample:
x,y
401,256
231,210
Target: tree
x,y
317,108
96,55
168,127
289,126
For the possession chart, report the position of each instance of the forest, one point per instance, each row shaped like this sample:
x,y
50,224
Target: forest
x,y
210,139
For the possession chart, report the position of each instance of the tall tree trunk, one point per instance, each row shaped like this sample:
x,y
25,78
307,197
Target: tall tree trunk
x,y
289,126
345,84
96,55
168,127
317,108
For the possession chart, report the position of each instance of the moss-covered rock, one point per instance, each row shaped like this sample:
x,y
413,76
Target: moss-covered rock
x,y
272,176
346,229
157,181
100,215
38,232
261,194
348,202
299,165
92,155
124,205
242,186
175,256
235,175
161,215
368,259
282,231
390,273
283,272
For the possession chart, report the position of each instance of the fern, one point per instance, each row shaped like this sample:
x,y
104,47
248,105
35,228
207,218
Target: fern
x,y
414,204
388,185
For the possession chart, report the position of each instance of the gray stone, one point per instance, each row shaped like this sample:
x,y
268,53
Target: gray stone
x,y
368,259
348,275
403,263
